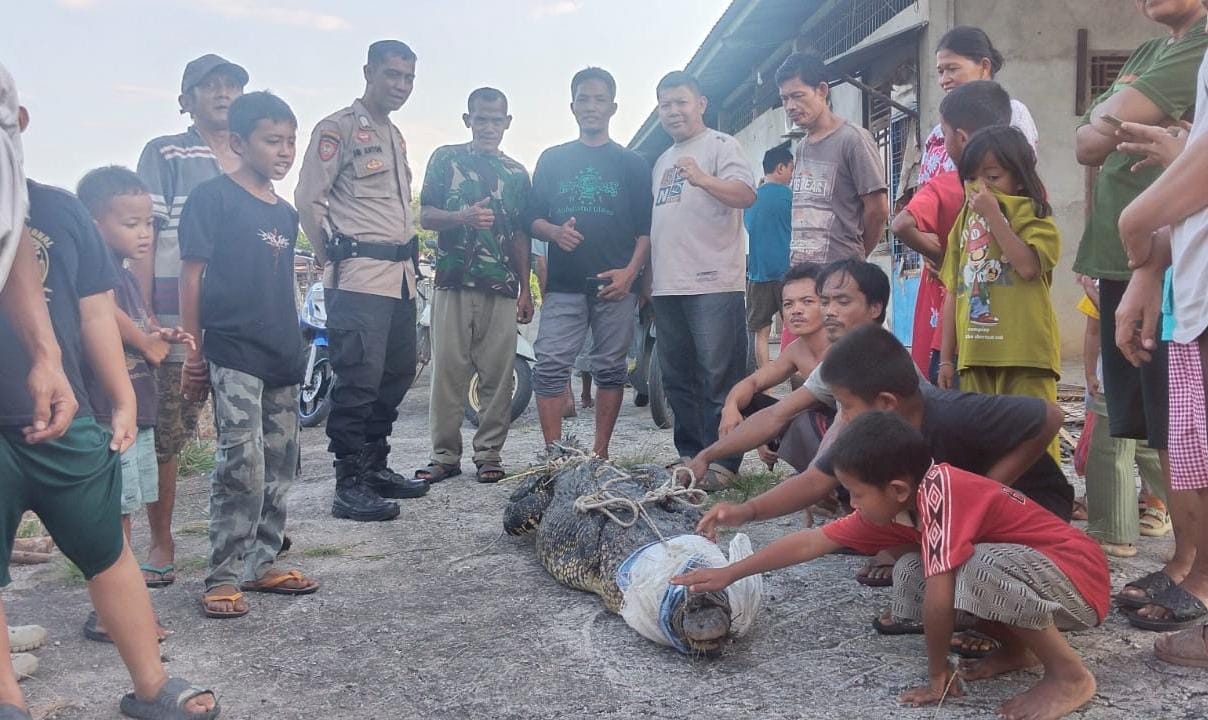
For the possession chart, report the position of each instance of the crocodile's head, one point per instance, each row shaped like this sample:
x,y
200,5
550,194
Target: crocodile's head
x,y
701,621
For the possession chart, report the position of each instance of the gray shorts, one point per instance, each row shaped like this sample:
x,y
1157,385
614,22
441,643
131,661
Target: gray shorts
x,y
140,472
565,320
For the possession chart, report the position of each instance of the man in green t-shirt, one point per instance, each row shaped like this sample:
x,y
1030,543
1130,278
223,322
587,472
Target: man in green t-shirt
x,y
1156,87
473,196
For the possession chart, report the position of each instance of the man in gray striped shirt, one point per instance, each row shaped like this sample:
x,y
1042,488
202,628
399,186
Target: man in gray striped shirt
x,y
172,166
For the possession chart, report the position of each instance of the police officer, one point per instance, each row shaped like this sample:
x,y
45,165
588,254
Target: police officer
x,y
354,203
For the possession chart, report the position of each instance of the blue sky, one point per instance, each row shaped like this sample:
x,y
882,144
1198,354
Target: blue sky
x,y
100,77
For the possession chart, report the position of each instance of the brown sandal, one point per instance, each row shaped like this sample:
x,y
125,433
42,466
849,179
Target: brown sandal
x,y
275,585
232,598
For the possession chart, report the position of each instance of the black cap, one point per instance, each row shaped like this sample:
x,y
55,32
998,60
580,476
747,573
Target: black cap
x,y
197,70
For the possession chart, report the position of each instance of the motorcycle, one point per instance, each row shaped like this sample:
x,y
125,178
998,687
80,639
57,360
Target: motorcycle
x,y
314,395
522,372
646,376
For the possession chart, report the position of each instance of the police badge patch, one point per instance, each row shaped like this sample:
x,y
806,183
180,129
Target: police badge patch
x,y
328,145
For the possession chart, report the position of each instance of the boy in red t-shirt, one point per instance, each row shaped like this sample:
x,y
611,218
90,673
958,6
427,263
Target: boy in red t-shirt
x,y
927,220
987,550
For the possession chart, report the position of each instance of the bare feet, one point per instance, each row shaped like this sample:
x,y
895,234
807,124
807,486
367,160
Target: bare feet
x,y
1008,658
161,632
587,402
1052,697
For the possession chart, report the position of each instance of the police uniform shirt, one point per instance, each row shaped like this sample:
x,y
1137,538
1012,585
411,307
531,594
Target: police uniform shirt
x,y
355,181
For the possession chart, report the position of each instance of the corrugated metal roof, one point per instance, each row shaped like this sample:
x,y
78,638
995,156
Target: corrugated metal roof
x,y
740,41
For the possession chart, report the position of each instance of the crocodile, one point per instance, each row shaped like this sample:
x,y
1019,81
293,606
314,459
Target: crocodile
x,y
584,548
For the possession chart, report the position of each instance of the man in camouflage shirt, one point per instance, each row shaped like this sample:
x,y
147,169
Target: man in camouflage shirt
x,y
473,197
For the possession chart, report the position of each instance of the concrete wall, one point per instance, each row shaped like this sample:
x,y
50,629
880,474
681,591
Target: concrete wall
x,y
765,132
1039,40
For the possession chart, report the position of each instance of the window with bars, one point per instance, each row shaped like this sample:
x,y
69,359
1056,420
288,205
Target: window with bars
x,y
853,21
1105,69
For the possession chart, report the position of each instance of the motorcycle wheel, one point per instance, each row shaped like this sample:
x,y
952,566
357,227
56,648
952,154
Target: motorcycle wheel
x,y
522,392
660,409
314,396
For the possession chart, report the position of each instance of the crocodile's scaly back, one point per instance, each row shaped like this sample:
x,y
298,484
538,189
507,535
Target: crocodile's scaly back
x,y
585,549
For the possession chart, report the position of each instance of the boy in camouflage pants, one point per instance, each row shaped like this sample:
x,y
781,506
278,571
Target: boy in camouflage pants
x,y
237,245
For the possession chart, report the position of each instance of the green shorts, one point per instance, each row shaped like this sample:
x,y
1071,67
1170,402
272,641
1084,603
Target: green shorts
x,y
74,484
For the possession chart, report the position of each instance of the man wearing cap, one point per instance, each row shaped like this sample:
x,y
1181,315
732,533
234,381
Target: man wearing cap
x,y
172,166
354,203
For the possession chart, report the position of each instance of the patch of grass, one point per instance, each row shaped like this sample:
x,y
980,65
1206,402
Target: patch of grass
x,y
645,454
193,563
320,551
30,527
748,485
72,575
196,528
197,458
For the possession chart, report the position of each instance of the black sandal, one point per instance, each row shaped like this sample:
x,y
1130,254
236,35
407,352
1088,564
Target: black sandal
x,y
963,636
435,472
490,473
896,626
1185,610
1153,585
169,703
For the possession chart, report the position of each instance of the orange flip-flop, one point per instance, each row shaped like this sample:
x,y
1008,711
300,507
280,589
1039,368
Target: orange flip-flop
x,y
274,585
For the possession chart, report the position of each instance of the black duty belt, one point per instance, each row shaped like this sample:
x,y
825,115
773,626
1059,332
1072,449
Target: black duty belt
x,y
344,247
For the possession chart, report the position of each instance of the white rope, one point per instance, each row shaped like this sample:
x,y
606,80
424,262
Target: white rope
x,y
607,503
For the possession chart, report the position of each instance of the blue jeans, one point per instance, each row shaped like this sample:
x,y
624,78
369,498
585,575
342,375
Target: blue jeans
x,y
702,353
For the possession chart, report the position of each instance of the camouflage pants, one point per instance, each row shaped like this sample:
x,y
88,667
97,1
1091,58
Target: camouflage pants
x,y
254,467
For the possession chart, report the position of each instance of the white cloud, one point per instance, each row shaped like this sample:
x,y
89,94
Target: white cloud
x,y
557,7
143,91
78,4
275,15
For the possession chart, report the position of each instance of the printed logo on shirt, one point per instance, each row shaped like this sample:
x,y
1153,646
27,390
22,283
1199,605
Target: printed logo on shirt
x,y
42,245
671,187
585,193
981,270
1014,495
814,179
276,242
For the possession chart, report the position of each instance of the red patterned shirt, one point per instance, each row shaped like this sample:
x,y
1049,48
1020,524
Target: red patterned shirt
x,y
958,509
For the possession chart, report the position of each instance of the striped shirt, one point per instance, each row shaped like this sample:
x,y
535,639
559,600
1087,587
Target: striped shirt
x,y
172,166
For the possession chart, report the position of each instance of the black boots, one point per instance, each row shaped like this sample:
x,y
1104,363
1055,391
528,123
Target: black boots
x,y
354,499
384,481
362,483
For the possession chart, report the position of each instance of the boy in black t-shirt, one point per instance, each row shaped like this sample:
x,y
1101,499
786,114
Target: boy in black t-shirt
x,y
73,482
237,245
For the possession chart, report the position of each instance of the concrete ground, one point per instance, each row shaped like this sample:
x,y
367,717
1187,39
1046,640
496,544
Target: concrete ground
x,y
436,616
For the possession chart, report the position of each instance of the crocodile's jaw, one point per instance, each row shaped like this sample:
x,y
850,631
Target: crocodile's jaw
x,y
703,622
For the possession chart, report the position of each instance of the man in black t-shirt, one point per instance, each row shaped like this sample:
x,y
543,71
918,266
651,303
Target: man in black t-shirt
x,y
591,202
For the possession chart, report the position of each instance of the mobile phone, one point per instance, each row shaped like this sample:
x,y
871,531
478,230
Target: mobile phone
x,y
595,284
1111,120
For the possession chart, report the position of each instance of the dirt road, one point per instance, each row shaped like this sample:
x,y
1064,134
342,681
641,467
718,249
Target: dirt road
x,y
435,616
